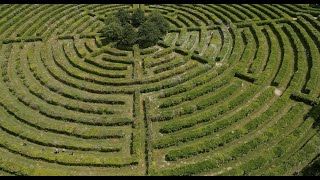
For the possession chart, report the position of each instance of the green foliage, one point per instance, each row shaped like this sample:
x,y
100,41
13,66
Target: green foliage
x,y
138,18
129,29
114,31
148,33
312,169
123,16
128,35
111,19
162,24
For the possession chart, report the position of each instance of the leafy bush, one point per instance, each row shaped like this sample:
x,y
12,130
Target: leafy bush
x,y
138,18
127,29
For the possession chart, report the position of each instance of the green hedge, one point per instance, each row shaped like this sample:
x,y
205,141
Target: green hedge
x,y
222,158
300,74
210,116
194,93
170,65
209,101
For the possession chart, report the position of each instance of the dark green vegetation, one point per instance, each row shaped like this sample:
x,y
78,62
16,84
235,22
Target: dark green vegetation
x,y
129,29
229,90
311,170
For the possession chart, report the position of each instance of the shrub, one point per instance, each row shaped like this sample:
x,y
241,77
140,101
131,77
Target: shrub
x,y
162,24
148,34
123,16
114,31
138,18
127,30
128,35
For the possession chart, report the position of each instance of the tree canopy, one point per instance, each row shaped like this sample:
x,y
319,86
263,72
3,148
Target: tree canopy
x,y
138,18
128,35
123,16
157,18
149,33
128,29
114,31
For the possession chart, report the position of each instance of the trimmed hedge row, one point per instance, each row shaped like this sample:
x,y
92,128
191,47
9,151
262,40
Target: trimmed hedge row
x,y
37,121
300,159
193,41
48,17
198,15
67,66
280,150
203,79
46,124
97,88
58,113
170,66
274,58
305,99
312,41
192,15
151,62
300,74
163,52
19,16
21,40
250,50
53,21
215,44
225,12
207,116
202,45
234,11
169,40
228,44
266,11
25,166
287,66
31,19
183,37
237,152
221,18
194,93
41,74
166,115
60,141
299,10
261,53
37,153
36,89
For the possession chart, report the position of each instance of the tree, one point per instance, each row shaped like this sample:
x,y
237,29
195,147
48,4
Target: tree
x,y
123,16
148,33
113,31
120,28
128,35
111,19
138,17
162,23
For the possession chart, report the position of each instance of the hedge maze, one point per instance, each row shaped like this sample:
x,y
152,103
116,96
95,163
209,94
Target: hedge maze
x,y
227,91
